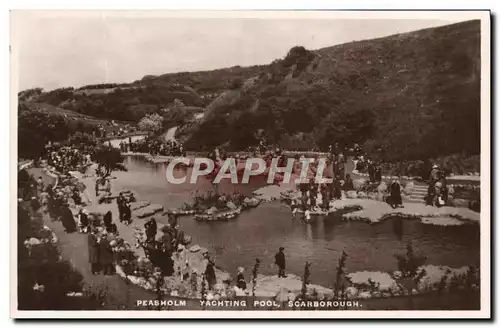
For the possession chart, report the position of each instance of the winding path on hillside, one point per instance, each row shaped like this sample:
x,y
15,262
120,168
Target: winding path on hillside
x,y
170,134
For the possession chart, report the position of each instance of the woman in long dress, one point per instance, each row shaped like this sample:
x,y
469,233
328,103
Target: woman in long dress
x,y
67,219
93,245
396,199
108,223
106,255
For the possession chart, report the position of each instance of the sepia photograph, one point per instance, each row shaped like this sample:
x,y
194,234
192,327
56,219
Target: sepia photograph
x,y
250,164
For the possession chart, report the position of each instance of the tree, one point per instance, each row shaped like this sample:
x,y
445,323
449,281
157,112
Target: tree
x,y
29,94
255,272
409,265
50,127
151,123
299,56
109,159
340,279
82,141
36,129
30,143
346,127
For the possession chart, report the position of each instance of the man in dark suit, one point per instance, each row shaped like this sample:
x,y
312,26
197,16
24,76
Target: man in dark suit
x,y
280,261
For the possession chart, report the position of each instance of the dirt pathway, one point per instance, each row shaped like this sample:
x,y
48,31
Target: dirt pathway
x,y
74,248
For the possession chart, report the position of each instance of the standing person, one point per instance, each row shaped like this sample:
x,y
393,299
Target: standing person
x,y
84,221
108,223
181,150
279,260
39,184
67,219
240,279
294,207
303,187
341,166
93,245
371,171
120,202
105,255
378,173
439,199
396,199
337,188
35,203
97,182
167,239
431,195
313,194
165,252
151,229
349,184
307,215
336,149
107,187
172,220
127,213
434,174
179,236
210,274
304,197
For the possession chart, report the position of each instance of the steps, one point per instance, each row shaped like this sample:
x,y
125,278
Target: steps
x,y
417,194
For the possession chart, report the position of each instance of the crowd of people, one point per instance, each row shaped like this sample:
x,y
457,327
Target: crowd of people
x,y
154,147
313,194
58,201
437,192
113,129
65,159
62,198
160,250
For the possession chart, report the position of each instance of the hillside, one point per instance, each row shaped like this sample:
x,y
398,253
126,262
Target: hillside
x,y
407,96
131,101
411,96
65,113
39,123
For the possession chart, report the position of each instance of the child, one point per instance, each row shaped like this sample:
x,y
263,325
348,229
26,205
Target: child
x,y
307,215
84,221
295,208
240,279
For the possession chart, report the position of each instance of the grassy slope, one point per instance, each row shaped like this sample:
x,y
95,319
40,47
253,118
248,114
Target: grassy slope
x,y
69,114
417,83
73,118
422,87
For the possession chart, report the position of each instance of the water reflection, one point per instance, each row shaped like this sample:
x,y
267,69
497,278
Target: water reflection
x,y
397,226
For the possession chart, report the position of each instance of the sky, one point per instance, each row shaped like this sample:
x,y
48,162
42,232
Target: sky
x,y
54,51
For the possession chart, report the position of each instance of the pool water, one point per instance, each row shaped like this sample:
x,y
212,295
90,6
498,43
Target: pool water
x,y
259,232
